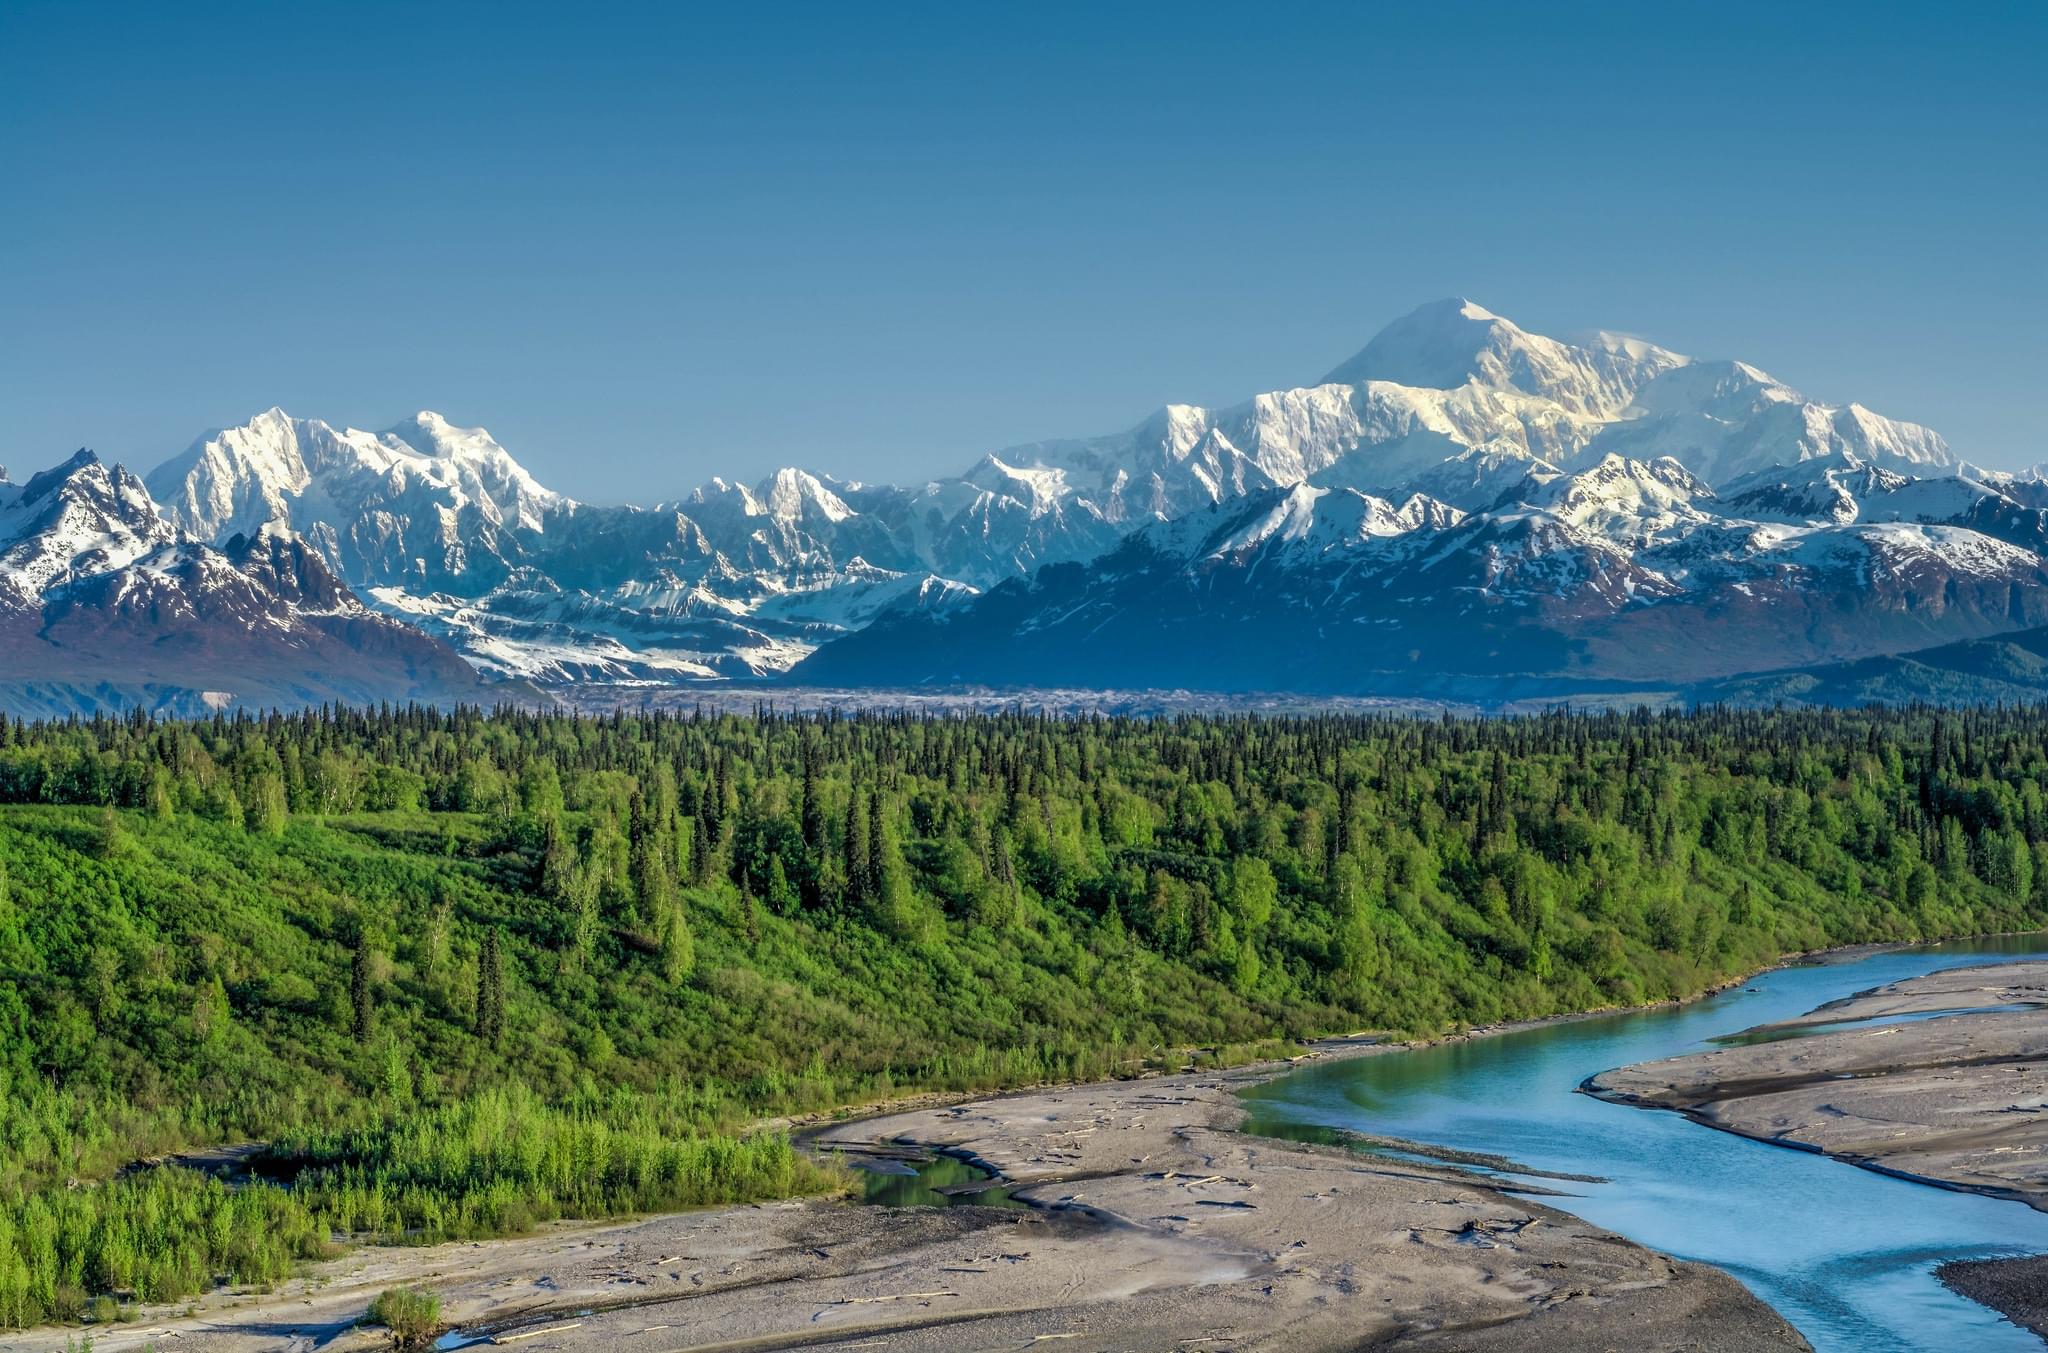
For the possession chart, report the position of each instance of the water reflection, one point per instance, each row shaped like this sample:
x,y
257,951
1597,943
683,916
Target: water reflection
x,y
940,1181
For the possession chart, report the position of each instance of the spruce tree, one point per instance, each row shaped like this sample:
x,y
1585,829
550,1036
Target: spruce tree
x,y
362,999
703,849
878,832
856,848
812,817
490,991
678,946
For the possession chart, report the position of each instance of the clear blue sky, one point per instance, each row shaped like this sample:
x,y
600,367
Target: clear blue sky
x,y
648,244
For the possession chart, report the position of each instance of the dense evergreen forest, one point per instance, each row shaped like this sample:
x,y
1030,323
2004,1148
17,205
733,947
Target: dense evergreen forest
x,y
460,972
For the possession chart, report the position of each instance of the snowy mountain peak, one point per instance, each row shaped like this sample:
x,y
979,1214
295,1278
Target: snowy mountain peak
x,y
1292,517
1631,346
1043,488
1306,521
1434,346
1421,511
1451,343
1178,429
99,591
478,467
793,495
74,519
1842,488
235,478
48,480
370,503
430,434
1627,502
1352,517
720,492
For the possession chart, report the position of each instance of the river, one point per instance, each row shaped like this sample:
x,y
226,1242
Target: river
x,y
1847,1255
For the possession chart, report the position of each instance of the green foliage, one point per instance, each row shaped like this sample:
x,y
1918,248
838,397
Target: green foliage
x,y
412,1315
500,1161
465,972
491,1164
489,1023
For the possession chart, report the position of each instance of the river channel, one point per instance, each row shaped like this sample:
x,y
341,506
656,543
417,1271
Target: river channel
x,y
1846,1254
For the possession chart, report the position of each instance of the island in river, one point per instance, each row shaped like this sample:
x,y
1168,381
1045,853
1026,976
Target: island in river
x,y
1154,1223
1941,1078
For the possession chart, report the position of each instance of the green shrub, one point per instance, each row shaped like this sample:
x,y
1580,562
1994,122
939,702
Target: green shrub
x,y
411,1314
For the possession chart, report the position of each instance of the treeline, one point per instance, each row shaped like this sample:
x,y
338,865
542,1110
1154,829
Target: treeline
x,y
338,927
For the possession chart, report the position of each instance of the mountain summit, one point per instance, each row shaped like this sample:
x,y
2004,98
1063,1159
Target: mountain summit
x,y
1447,344
1608,513
1499,501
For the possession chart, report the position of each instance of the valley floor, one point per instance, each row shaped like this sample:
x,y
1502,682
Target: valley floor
x,y
1154,1225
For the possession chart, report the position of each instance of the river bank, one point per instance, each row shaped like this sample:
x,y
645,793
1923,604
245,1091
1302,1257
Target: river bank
x,y
2015,1288
1417,1253
1942,1079
1939,1078
1154,1223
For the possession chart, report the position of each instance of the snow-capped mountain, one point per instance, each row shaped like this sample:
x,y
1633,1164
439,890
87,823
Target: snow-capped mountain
x,y
1453,343
1460,404
424,500
71,521
105,603
1625,573
439,525
1455,456
1727,419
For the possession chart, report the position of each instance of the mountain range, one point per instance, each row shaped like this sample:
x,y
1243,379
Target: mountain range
x,y
1462,508
106,604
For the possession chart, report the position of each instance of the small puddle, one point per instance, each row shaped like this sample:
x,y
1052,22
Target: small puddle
x,y
941,1181
1779,1033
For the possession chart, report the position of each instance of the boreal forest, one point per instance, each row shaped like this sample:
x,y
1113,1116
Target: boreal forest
x,y
274,985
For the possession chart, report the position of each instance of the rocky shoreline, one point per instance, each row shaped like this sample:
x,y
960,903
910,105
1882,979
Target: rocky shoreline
x,y
2015,1288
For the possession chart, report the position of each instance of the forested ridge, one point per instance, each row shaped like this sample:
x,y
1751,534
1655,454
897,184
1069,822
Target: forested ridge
x,y
462,971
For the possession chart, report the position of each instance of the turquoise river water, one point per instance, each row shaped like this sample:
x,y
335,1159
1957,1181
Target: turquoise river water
x,y
1846,1254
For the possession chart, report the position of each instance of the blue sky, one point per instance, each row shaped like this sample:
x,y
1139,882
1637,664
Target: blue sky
x,y
647,244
